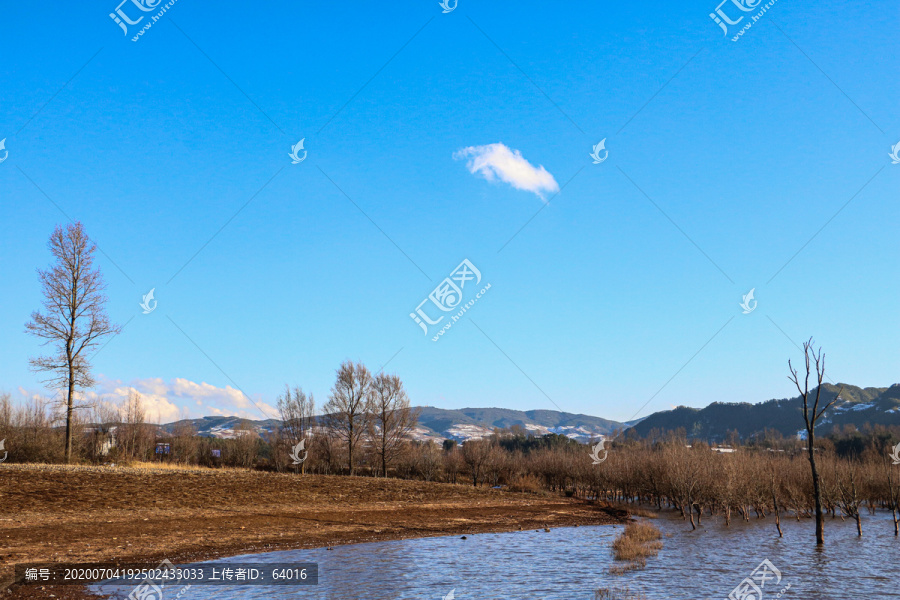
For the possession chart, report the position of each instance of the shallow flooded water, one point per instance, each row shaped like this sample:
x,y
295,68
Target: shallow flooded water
x,y
571,563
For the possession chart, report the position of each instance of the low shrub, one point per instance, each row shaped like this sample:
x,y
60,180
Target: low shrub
x,y
639,540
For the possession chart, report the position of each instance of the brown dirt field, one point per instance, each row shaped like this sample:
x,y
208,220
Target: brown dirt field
x,y
96,514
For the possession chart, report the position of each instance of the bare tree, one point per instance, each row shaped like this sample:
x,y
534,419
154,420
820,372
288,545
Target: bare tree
x,y
104,416
775,488
893,496
430,460
297,417
133,436
185,444
329,455
453,462
392,418
476,453
5,412
74,320
347,409
811,415
849,496
497,464
245,446
31,436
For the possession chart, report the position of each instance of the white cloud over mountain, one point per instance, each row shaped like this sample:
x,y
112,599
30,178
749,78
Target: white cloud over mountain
x,y
167,401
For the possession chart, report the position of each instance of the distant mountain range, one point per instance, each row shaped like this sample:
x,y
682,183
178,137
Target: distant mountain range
x,y
465,423
222,427
856,406
439,424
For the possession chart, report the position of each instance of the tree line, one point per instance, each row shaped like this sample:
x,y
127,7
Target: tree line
x,y
766,478
363,411
367,421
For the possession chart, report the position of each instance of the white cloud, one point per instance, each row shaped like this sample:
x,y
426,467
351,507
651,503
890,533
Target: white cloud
x,y
167,401
498,161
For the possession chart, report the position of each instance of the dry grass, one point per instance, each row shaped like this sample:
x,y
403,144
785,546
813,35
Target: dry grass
x,y
635,511
168,466
526,483
618,594
639,541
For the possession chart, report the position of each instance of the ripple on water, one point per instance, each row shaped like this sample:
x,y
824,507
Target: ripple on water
x,y
570,563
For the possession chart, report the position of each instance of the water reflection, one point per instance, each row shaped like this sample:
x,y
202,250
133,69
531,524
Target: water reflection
x,y
570,563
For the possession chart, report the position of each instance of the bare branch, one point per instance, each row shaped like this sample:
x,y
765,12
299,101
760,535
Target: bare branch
x,y
74,318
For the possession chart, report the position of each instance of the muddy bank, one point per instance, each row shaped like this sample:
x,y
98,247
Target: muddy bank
x,y
99,514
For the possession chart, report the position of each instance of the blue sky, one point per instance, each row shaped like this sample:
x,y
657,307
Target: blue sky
x,y
761,163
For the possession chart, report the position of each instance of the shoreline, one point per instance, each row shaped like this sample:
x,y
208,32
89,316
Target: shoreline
x,y
94,515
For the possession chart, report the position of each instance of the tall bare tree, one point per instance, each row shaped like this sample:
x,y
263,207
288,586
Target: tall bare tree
x,y
392,418
74,319
347,409
813,410
297,416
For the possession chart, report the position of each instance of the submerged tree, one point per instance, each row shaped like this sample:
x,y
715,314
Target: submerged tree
x,y
811,415
74,319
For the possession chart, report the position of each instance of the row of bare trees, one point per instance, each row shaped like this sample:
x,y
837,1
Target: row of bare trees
x,y
367,420
856,473
692,478
698,481
41,430
371,408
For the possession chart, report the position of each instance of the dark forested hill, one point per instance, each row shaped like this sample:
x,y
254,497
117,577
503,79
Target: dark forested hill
x,y
856,406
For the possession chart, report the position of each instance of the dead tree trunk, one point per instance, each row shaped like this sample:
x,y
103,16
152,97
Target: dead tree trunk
x,y
811,415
